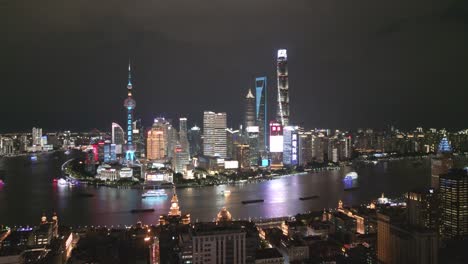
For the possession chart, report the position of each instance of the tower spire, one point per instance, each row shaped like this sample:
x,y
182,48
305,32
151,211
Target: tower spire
x,y
129,85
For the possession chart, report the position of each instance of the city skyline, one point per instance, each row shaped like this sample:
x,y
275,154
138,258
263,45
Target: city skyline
x,y
391,70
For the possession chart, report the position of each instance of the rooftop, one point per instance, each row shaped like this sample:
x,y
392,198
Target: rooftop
x,y
267,253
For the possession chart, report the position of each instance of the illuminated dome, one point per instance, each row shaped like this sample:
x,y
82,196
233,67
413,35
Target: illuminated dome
x,y
224,215
130,103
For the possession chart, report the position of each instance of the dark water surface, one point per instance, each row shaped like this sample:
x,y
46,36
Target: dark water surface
x,y
28,191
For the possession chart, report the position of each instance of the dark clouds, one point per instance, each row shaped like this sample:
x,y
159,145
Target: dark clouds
x,y
352,63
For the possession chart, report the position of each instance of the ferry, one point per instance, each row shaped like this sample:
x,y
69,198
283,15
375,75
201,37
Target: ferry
x,y
154,193
62,182
253,201
308,197
351,176
135,211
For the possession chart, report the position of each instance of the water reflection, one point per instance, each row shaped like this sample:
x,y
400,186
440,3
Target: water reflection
x,y
29,191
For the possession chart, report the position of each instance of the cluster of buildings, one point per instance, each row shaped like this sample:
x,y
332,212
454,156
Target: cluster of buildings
x,y
45,243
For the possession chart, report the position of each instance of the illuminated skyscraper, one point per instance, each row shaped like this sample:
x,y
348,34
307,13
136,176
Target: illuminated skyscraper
x,y
261,113
118,136
249,118
156,145
130,105
36,136
453,189
181,150
282,111
183,139
290,146
214,129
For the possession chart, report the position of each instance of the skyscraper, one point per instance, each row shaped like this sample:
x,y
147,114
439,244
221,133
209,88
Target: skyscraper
x,y
252,141
282,111
453,189
214,129
249,118
183,139
118,138
194,138
36,136
305,148
156,145
182,151
290,146
423,210
130,105
261,113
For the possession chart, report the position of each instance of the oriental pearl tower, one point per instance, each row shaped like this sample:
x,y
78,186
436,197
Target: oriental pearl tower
x,y
129,104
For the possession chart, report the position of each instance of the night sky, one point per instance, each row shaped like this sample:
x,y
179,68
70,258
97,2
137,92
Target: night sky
x,y
360,63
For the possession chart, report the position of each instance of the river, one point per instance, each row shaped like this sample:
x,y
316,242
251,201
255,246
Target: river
x,y
28,192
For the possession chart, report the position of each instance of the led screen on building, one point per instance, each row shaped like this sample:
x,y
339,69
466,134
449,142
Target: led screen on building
x,y
231,164
276,143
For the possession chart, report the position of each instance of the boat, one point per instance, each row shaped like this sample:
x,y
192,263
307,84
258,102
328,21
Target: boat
x,y
135,211
226,192
33,158
85,195
253,201
351,188
154,193
351,176
62,182
308,197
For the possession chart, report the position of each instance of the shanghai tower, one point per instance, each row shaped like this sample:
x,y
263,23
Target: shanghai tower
x,y
130,105
282,111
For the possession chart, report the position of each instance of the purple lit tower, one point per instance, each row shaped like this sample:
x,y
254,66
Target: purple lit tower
x,y
130,105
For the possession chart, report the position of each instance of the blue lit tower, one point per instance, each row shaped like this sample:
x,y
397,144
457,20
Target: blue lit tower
x,y
282,111
442,162
130,105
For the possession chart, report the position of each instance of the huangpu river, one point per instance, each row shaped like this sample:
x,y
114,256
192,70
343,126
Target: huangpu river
x,y
29,191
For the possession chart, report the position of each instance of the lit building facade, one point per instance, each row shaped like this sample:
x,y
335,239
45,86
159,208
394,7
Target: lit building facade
x,y
276,145
110,154
214,129
282,111
36,136
453,191
156,141
253,142
290,146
